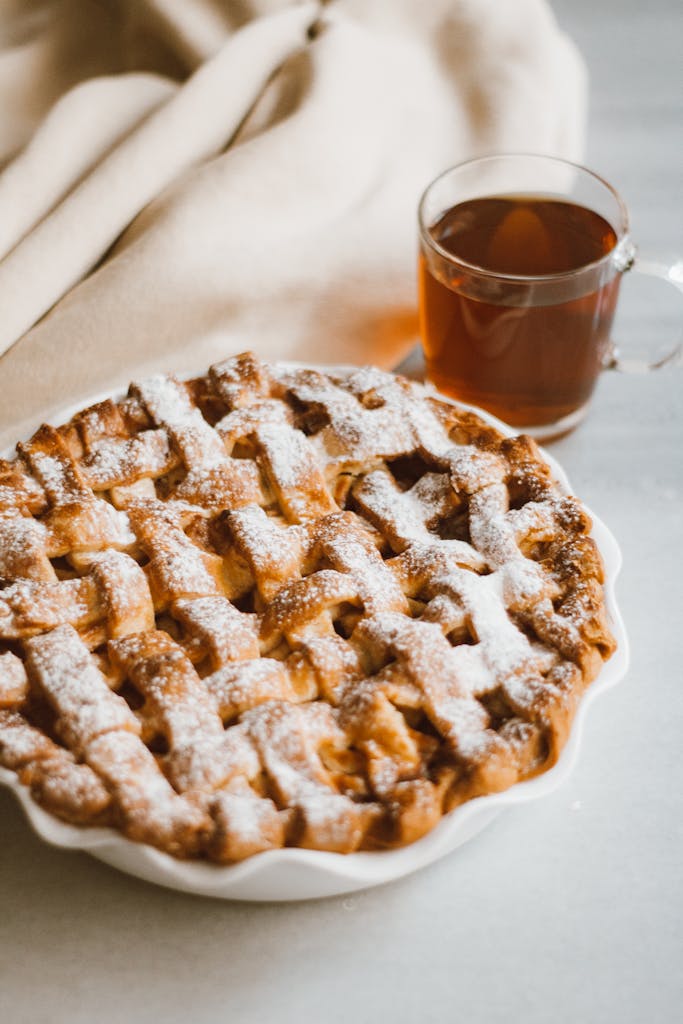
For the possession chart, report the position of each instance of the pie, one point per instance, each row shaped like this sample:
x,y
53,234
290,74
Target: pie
x,y
276,606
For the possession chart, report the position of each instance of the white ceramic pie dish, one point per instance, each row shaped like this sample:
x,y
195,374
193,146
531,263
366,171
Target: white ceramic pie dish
x,y
295,874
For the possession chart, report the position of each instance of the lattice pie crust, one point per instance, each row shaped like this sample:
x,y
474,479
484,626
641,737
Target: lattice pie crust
x,y
280,607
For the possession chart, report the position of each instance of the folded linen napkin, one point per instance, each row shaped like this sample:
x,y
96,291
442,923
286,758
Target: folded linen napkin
x,y
224,175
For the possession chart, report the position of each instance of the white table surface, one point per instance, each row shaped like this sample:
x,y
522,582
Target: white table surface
x,y
566,910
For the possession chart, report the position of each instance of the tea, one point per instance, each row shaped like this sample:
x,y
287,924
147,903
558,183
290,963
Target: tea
x,y
507,321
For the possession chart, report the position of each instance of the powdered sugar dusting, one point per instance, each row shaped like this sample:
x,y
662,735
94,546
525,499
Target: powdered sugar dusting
x,y
55,476
62,667
168,402
320,603
116,462
22,549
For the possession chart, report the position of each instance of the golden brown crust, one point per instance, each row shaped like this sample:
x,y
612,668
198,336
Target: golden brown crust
x,y
276,606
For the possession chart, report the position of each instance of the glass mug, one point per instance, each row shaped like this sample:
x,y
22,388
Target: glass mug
x,y
520,263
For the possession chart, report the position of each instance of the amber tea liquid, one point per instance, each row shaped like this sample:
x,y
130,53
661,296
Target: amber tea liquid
x,y
529,351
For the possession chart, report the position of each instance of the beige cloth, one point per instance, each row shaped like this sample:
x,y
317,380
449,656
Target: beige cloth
x,y
191,178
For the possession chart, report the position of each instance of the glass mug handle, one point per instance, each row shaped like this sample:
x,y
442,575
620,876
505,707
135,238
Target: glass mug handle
x,y
627,258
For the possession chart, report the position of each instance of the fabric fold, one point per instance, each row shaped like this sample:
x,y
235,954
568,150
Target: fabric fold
x,y
77,133
190,127
268,200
